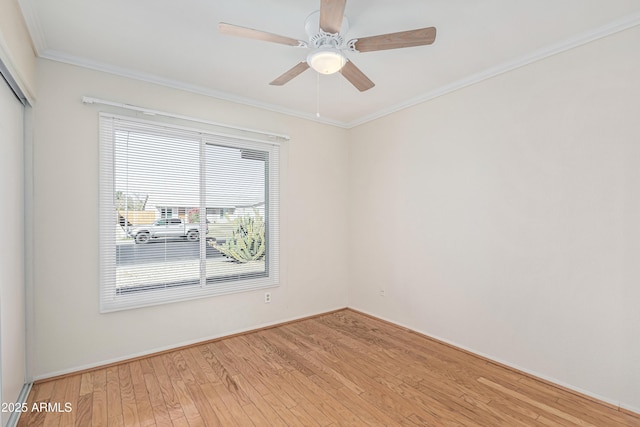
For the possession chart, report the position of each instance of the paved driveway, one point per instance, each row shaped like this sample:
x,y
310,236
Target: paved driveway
x,y
128,253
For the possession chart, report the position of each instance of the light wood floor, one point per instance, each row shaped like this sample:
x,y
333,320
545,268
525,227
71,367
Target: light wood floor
x,y
342,368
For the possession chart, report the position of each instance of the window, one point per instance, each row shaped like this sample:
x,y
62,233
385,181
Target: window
x,y
184,213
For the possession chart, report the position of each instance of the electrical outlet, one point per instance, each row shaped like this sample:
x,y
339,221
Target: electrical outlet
x,y
267,297
381,292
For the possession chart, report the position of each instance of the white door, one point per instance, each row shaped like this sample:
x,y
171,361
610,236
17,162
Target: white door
x,y
175,227
12,248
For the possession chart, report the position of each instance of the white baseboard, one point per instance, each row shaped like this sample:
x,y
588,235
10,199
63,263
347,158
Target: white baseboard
x,y
175,346
282,321
22,398
547,378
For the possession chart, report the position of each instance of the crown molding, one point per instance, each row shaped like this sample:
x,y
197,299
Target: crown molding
x,y
57,56
537,55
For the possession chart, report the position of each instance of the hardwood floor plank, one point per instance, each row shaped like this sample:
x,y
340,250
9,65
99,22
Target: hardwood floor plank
x,y
288,355
342,368
143,404
176,358
219,371
158,406
191,413
279,408
204,404
129,407
84,410
161,415
257,400
430,405
541,405
595,415
223,368
377,347
232,406
255,416
68,418
310,402
197,372
116,421
52,417
369,414
305,419
354,349
544,421
330,375
277,386
229,361
114,401
86,383
166,387
252,369
264,373
36,418
512,410
99,415
500,416
247,390
221,353
261,352
300,345
44,391
324,399
180,422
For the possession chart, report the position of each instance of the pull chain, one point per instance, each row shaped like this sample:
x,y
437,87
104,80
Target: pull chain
x,y
318,95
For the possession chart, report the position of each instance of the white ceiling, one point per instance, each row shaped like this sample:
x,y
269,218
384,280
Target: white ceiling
x,y
176,42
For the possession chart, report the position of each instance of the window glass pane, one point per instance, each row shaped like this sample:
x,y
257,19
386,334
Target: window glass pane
x,y
237,213
156,176
184,214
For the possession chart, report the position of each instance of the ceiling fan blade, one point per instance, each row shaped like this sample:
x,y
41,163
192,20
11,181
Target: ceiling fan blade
x,y
419,37
290,74
235,30
331,13
356,77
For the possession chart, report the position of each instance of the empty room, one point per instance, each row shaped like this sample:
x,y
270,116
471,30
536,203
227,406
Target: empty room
x,y
320,213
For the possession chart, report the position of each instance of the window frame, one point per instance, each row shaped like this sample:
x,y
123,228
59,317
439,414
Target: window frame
x,y
113,300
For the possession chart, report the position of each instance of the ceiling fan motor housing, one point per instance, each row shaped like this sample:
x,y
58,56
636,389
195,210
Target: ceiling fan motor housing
x,y
326,56
322,39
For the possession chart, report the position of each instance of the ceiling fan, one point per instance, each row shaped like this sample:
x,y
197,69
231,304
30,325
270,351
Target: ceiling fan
x,y
325,29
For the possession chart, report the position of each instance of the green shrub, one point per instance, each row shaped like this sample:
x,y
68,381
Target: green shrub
x,y
247,242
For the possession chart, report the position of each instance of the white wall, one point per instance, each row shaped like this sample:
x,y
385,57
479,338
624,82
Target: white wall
x,y
69,333
16,51
505,218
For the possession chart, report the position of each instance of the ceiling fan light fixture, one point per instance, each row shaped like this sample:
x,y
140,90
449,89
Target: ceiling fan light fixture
x,y
326,60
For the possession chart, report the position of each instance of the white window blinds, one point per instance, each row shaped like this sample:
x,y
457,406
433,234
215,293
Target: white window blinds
x,y
184,213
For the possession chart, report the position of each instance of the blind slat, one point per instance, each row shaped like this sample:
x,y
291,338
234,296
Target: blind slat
x,y
184,213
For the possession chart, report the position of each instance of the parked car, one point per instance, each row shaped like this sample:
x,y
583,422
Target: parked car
x,y
166,228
